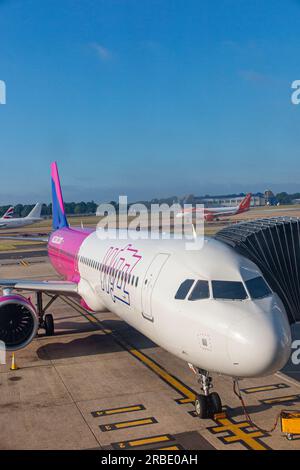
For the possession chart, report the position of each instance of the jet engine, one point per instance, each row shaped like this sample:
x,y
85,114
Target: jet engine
x,y
18,321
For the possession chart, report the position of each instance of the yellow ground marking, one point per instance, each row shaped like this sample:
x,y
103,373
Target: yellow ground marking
x,y
127,424
137,422
169,448
260,389
148,440
264,388
142,442
287,398
248,438
113,411
183,401
175,383
239,435
171,380
24,263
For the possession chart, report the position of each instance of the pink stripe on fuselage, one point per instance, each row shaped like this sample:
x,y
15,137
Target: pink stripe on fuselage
x,y
55,177
63,247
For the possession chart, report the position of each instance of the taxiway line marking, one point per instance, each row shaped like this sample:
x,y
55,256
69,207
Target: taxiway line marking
x,y
274,401
184,401
113,411
265,388
187,394
174,382
238,435
170,448
24,263
127,424
142,442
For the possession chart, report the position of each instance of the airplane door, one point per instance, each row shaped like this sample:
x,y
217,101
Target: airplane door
x,y
149,283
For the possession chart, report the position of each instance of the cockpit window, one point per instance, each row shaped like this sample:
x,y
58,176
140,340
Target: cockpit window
x,y
184,289
228,290
258,288
200,291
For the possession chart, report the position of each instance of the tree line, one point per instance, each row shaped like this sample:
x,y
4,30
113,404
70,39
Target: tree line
x,y
88,208
72,208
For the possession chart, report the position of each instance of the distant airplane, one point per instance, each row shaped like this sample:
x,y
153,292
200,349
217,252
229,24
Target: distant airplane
x,y
7,221
212,307
217,212
9,213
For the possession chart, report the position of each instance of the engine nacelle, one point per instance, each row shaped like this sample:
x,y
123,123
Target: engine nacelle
x,y
18,321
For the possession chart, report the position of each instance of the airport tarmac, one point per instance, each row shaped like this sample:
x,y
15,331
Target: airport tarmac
x,y
99,384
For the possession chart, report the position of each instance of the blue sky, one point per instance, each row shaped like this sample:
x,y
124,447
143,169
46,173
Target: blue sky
x,y
148,98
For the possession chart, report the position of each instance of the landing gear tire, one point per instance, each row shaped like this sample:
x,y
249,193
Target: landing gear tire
x,y
206,406
49,324
201,406
215,403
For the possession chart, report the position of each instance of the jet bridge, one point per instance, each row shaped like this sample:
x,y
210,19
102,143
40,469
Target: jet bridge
x,y
274,246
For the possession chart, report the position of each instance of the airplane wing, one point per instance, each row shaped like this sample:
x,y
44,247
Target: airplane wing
x,y
51,287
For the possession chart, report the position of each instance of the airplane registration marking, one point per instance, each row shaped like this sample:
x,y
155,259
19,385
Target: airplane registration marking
x,y
127,424
113,411
265,388
277,400
143,442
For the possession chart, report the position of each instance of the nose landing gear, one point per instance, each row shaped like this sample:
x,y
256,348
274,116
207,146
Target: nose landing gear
x,y
206,404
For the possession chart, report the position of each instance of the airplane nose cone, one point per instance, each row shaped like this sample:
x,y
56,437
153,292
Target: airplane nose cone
x,y
259,347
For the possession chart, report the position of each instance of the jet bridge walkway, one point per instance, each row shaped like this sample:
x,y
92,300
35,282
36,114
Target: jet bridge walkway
x,y
273,244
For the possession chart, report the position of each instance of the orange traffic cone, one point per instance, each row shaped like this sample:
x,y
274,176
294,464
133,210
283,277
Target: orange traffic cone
x,y
13,363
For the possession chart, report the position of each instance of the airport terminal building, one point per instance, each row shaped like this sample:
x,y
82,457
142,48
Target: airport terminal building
x,y
256,200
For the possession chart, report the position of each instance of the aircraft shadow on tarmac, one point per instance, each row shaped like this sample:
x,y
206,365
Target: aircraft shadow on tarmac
x,y
93,343
251,409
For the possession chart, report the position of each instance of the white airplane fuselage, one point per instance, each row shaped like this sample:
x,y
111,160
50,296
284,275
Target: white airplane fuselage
x,y
240,338
18,222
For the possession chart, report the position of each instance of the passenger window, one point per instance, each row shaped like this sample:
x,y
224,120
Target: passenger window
x,y
200,291
228,290
258,288
184,289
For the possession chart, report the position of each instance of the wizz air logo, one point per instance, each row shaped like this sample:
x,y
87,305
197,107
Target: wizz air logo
x,y
118,269
2,92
